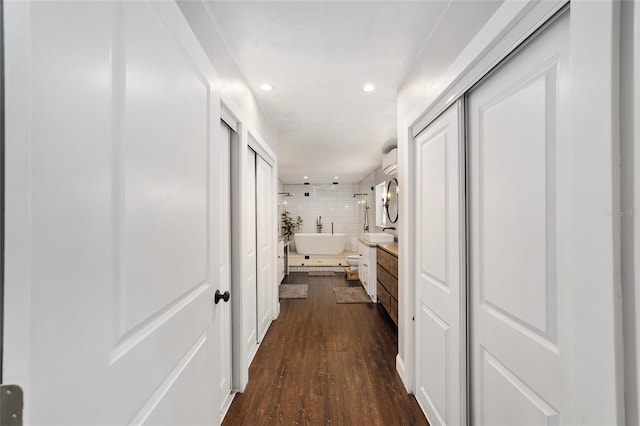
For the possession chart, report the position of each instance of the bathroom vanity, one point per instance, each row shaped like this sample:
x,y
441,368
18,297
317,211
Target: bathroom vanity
x,y
367,251
387,278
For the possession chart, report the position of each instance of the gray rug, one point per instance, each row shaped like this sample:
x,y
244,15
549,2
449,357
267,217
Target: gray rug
x,y
294,291
322,274
351,295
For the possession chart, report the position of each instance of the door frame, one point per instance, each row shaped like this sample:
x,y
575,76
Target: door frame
x,y
630,203
227,180
594,94
1,188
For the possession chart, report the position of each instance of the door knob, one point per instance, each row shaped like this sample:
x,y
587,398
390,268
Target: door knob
x,y
224,296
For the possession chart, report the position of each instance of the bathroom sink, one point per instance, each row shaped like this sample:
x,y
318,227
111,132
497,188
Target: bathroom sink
x,y
376,237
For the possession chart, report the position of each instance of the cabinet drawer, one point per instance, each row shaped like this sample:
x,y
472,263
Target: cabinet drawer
x,y
393,311
384,297
363,250
387,280
388,262
364,273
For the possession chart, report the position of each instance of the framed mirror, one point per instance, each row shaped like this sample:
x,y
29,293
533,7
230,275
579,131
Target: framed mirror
x,y
392,200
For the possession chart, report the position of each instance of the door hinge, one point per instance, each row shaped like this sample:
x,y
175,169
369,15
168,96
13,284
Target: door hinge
x,y
11,404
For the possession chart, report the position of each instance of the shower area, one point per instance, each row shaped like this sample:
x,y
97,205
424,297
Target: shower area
x,y
332,215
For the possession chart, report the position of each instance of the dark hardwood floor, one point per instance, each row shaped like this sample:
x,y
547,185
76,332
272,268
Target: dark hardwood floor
x,y
322,363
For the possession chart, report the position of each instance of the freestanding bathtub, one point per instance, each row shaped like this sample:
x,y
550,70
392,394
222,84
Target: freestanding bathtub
x,y
307,243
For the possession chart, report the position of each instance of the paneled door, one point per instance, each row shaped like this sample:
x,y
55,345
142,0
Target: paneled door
x,y
439,275
250,300
520,256
265,241
110,272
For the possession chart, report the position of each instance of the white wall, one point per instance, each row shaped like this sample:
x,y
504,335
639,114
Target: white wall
x,y
281,206
364,187
431,72
233,84
367,186
335,203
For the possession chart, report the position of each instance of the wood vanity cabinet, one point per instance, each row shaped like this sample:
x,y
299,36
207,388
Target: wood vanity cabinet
x,y
387,277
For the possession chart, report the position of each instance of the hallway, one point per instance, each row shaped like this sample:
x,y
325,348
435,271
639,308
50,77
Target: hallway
x,y
325,363
157,153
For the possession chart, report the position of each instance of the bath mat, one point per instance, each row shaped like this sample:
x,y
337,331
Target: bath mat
x,y
294,291
351,295
322,274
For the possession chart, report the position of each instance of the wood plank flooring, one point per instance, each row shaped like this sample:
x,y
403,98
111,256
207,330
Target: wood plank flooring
x,y
322,363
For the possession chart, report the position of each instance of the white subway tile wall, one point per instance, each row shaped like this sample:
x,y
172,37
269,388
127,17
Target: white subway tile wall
x,y
335,203
365,188
282,200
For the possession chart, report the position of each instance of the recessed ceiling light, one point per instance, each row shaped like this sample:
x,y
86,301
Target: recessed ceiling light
x,y
306,177
266,87
368,87
335,177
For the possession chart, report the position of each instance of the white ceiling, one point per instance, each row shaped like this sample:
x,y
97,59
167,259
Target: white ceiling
x,y
318,55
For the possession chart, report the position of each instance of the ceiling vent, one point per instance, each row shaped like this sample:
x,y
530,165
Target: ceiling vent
x,y
390,162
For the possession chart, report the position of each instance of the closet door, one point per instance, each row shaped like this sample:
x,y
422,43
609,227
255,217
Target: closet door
x,y
250,234
520,194
264,196
440,291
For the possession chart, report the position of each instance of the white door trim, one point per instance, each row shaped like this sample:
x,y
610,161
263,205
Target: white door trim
x,y
595,135
630,207
226,244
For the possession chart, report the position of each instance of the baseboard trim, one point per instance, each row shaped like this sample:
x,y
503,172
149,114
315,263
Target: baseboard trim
x,y
252,354
227,405
402,372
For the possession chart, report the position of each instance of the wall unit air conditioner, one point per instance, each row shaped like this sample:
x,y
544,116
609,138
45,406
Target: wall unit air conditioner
x,y
390,162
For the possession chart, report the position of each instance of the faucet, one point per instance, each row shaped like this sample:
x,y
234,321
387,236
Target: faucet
x,y
389,227
319,224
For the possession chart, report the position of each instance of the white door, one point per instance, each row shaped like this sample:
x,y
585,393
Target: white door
x,y
520,256
440,290
109,273
250,301
264,196
223,311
